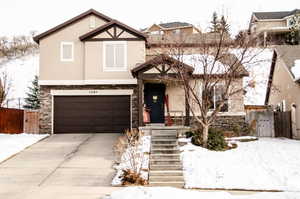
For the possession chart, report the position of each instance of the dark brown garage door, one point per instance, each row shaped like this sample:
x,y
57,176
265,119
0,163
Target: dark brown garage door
x,y
91,114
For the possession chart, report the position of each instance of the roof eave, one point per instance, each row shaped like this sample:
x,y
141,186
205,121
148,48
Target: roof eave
x,y
111,23
69,22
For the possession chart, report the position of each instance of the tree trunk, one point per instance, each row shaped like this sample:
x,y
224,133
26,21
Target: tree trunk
x,y
205,135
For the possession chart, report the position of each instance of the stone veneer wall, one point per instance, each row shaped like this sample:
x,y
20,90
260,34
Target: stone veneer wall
x,y
229,123
226,123
46,102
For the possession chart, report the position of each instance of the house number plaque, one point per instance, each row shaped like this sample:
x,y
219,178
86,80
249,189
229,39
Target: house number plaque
x,y
154,98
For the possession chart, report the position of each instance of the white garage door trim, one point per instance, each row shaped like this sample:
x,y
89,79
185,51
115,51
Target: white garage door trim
x,y
89,93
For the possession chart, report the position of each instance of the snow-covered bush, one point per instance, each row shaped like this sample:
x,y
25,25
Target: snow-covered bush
x,y
129,153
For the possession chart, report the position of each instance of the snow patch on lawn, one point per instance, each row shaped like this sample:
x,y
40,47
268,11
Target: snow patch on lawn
x,y
266,164
174,193
10,144
144,150
241,138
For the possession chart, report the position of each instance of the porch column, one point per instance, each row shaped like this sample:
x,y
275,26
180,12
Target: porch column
x,y
140,101
187,111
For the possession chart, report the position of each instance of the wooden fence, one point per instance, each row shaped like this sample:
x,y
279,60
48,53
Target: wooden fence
x,y
11,120
31,121
283,124
15,121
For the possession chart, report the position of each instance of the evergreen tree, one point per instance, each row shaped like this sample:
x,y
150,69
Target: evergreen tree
x,y
293,37
32,100
214,23
224,26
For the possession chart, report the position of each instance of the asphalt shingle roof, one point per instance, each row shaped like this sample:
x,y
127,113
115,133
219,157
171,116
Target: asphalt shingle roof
x,y
174,24
275,15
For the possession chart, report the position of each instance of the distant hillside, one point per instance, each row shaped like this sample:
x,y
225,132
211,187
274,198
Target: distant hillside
x,y
20,71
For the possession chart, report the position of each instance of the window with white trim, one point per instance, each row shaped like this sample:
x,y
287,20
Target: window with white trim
x,y
67,51
115,56
216,96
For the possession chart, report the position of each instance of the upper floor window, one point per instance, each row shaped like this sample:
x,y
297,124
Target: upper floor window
x,y
158,32
115,55
177,31
67,51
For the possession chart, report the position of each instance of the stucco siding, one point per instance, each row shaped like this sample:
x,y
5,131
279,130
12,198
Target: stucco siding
x,y
94,60
51,67
265,25
284,88
177,98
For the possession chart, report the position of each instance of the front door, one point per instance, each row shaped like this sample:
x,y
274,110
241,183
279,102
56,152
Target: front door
x,y
154,100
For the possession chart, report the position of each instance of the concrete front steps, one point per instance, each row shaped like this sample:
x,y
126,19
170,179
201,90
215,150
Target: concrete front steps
x,y
165,164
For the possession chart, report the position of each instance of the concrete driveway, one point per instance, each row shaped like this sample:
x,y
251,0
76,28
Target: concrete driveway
x,y
61,166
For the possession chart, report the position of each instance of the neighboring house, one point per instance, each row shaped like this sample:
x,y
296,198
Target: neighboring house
x,y
271,27
173,32
171,28
284,85
94,78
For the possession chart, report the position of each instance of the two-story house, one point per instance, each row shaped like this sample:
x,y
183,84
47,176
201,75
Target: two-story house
x,y
271,27
171,32
94,78
171,28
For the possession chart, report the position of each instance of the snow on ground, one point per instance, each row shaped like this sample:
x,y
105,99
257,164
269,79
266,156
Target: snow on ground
x,y
257,63
21,72
11,144
142,159
241,138
266,164
174,193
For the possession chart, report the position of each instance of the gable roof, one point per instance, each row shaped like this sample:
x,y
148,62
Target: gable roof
x,y
187,62
71,21
157,60
288,54
220,68
274,15
109,25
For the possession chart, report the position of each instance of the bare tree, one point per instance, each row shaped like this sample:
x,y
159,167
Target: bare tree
x,y
218,76
129,153
17,45
5,86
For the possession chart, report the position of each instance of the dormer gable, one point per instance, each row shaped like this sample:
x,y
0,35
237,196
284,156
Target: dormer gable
x,y
113,31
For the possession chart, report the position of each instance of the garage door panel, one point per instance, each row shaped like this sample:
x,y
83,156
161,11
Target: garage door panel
x,y
91,114
88,106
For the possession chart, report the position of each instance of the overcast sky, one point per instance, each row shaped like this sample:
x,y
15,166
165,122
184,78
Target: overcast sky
x,y
21,16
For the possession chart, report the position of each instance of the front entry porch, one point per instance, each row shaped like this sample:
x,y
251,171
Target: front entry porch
x,y
154,102
158,83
